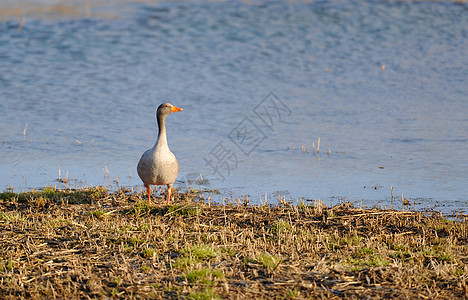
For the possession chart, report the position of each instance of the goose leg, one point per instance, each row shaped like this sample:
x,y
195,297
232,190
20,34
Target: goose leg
x,y
148,191
169,190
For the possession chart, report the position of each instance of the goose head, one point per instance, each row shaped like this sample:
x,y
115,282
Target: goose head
x,y
167,108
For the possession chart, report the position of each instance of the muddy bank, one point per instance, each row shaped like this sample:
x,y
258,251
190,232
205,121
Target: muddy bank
x,y
92,243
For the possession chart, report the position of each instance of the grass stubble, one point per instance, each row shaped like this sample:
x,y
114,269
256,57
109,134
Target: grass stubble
x,y
90,243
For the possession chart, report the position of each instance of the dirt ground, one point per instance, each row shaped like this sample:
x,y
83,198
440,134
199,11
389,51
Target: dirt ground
x,y
91,243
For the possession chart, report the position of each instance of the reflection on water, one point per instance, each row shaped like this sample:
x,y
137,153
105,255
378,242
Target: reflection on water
x,y
383,84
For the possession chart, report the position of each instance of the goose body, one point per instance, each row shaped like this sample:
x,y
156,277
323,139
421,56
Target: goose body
x,y
158,165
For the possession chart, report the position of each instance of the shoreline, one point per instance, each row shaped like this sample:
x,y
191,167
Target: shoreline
x,y
100,9
93,243
215,196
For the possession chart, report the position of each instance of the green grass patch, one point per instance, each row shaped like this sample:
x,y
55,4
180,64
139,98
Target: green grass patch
x,y
365,251
117,280
145,268
181,210
205,294
141,207
350,240
204,276
280,226
200,252
10,217
6,265
49,195
267,260
7,196
370,260
184,262
193,255
58,222
229,251
99,214
401,255
135,242
149,252
291,294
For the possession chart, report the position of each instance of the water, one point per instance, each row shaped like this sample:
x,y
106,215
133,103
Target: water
x,y
383,84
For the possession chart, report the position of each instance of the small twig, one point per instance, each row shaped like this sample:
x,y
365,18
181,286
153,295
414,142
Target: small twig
x,y
25,129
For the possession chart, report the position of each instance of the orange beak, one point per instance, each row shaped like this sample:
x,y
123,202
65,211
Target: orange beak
x,y
175,108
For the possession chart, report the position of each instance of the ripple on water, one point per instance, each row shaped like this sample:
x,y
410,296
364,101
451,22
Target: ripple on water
x,y
97,79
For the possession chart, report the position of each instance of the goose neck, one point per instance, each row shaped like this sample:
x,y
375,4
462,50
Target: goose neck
x,y
162,137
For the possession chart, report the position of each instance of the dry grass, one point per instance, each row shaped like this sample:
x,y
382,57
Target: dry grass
x,y
94,244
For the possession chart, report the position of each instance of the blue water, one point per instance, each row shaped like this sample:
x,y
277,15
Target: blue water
x,y
383,84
